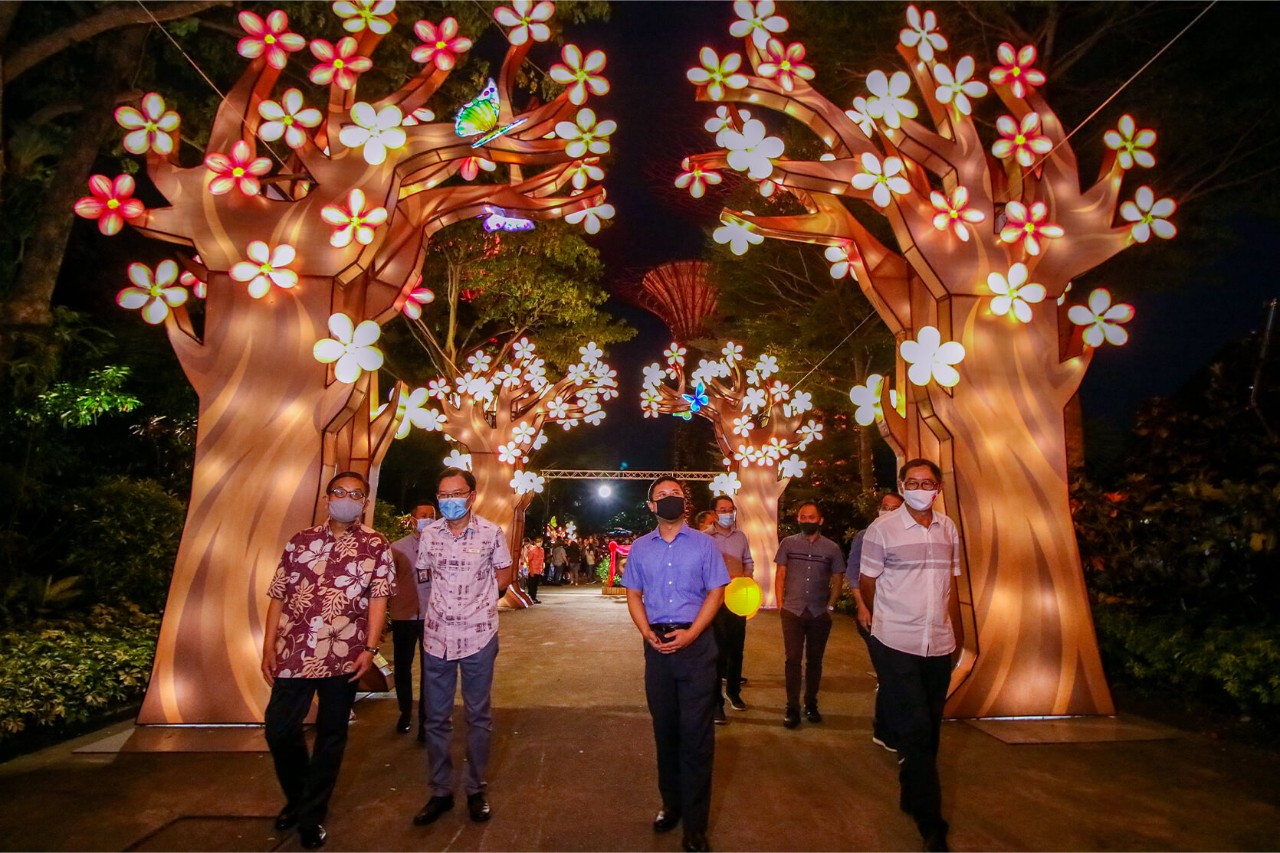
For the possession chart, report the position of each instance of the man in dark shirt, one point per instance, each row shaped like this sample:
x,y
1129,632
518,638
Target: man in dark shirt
x,y
808,580
675,582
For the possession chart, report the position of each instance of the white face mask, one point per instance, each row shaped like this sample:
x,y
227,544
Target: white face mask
x,y
726,519
422,523
919,499
885,511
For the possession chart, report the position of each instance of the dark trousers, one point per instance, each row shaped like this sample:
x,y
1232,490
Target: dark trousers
x,y
913,689
681,688
438,691
804,637
731,636
534,582
308,780
406,639
877,721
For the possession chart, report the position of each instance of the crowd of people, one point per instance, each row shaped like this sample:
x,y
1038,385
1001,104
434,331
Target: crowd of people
x,y
337,583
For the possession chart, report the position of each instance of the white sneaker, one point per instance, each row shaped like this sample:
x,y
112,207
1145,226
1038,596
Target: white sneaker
x,y
881,743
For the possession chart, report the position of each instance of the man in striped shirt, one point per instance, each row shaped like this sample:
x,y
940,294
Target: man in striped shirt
x,y
910,559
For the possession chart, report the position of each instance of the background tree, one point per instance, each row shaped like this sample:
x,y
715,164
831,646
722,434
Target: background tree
x,y
333,241
759,427
982,239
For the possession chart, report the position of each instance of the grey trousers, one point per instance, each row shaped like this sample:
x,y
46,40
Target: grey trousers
x,y
439,685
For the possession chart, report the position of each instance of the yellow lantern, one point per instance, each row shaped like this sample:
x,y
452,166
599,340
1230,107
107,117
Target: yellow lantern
x,y
743,596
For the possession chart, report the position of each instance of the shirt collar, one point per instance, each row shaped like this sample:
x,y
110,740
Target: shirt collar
x,y
908,521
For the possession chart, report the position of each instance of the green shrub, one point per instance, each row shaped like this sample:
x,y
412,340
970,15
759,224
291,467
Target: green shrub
x,y
58,674
124,539
1227,659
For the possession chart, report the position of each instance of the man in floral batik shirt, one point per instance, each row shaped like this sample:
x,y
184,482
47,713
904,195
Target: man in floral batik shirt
x,y
328,610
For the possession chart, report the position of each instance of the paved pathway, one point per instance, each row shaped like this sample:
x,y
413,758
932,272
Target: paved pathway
x,y
573,769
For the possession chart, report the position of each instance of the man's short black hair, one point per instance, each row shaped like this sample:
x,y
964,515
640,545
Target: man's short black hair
x,y
348,475
917,463
658,482
716,500
900,498
813,504
457,472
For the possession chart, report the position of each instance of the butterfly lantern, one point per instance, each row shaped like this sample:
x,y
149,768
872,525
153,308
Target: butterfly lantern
x,y
697,400
479,116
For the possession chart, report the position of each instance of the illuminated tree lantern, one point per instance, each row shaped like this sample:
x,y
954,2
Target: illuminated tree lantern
x,y
987,236
302,260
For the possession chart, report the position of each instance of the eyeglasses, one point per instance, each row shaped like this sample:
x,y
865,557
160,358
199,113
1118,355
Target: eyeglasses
x,y
443,495
927,485
343,493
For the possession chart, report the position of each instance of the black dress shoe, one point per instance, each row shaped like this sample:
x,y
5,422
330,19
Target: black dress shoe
x,y
287,819
736,703
720,718
478,807
742,681
936,842
696,842
665,821
313,837
811,711
402,724
792,718
431,812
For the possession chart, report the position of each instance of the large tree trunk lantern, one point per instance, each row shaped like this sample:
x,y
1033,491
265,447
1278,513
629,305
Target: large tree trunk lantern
x,y
302,255
759,427
988,242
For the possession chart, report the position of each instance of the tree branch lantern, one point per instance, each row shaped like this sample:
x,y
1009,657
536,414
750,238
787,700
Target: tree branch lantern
x,y
498,412
759,427
989,240
302,255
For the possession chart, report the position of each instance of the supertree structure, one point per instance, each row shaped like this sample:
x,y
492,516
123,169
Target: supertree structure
x,y
759,427
679,293
988,240
310,226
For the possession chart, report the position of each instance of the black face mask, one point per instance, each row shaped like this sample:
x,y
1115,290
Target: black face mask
x,y
669,508
808,528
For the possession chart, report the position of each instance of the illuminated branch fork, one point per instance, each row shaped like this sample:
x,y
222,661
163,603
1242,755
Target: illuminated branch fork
x,y
306,245
759,428
498,411
988,241
680,294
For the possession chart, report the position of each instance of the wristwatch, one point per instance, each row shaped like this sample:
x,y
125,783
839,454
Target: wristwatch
x,y
373,650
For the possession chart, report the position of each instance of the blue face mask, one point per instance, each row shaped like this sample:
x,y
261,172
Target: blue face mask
x,y
726,519
422,524
453,508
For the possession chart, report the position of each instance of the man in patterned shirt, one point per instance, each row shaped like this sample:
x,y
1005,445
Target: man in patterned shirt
x,y
328,609
466,560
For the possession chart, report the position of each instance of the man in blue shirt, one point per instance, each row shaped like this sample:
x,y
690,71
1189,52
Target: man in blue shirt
x,y
675,582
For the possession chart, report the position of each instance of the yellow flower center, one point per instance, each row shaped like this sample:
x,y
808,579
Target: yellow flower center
x,y
955,214
786,65
441,45
238,171
270,39
1019,140
338,63
287,120
1017,72
113,204
265,268
1030,228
